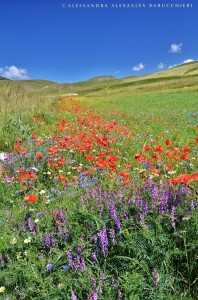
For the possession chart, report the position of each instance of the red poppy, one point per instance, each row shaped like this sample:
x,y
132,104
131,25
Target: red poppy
x,y
168,143
31,198
186,149
39,155
159,148
169,166
184,155
146,148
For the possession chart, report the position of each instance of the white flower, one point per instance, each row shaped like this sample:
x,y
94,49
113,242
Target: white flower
x,y
60,286
2,289
13,241
36,221
27,241
42,192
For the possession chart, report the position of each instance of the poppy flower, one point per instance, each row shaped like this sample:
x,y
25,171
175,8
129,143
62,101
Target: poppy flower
x,y
31,198
168,143
184,155
146,148
39,155
186,149
125,175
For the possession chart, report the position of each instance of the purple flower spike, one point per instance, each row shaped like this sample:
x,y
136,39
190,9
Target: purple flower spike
x,y
103,240
73,296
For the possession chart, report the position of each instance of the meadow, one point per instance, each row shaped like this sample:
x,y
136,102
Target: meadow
x,y
99,197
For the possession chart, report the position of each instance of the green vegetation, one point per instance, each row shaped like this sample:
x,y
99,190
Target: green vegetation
x,y
99,193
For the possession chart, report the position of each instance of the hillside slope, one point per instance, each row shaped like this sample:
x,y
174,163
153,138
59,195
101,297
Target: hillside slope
x,y
181,76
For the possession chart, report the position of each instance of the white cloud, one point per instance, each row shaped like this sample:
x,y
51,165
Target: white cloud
x,y
139,67
188,60
14,73
161,66
176,48
184,62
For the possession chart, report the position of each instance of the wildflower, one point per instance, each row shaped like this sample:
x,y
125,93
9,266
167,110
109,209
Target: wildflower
x,y
73,296
119,295
13,241
49,266
103,240
146,148
112,235
94,257
95,295
168,143
42,192
156,277
31,198
65,267
39,155
2,289
60,286
173,216
36,221
27,241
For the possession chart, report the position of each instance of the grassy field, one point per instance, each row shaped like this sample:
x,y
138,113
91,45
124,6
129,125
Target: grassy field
x,y
99,192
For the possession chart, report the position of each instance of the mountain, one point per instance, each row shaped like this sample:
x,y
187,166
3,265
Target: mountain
x,y
181,76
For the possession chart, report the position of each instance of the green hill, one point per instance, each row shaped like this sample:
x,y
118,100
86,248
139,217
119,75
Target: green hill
x,y
3,78
181,76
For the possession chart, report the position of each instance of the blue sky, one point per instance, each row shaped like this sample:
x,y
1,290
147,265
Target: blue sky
x,y
42,40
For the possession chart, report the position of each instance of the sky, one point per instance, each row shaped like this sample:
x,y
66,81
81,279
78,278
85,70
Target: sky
x,y
46,39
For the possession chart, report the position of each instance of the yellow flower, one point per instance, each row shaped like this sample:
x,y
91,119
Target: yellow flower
x,y
36,220
2,289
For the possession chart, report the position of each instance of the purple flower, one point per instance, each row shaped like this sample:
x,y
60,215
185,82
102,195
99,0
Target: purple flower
x,y
156,277
78,250
73,296
94,282
173,216
103,240
94,257
112,211
192,204
146,209
69,256
112,235
119,295
82,264
139,202
94,295
155,191
49,266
